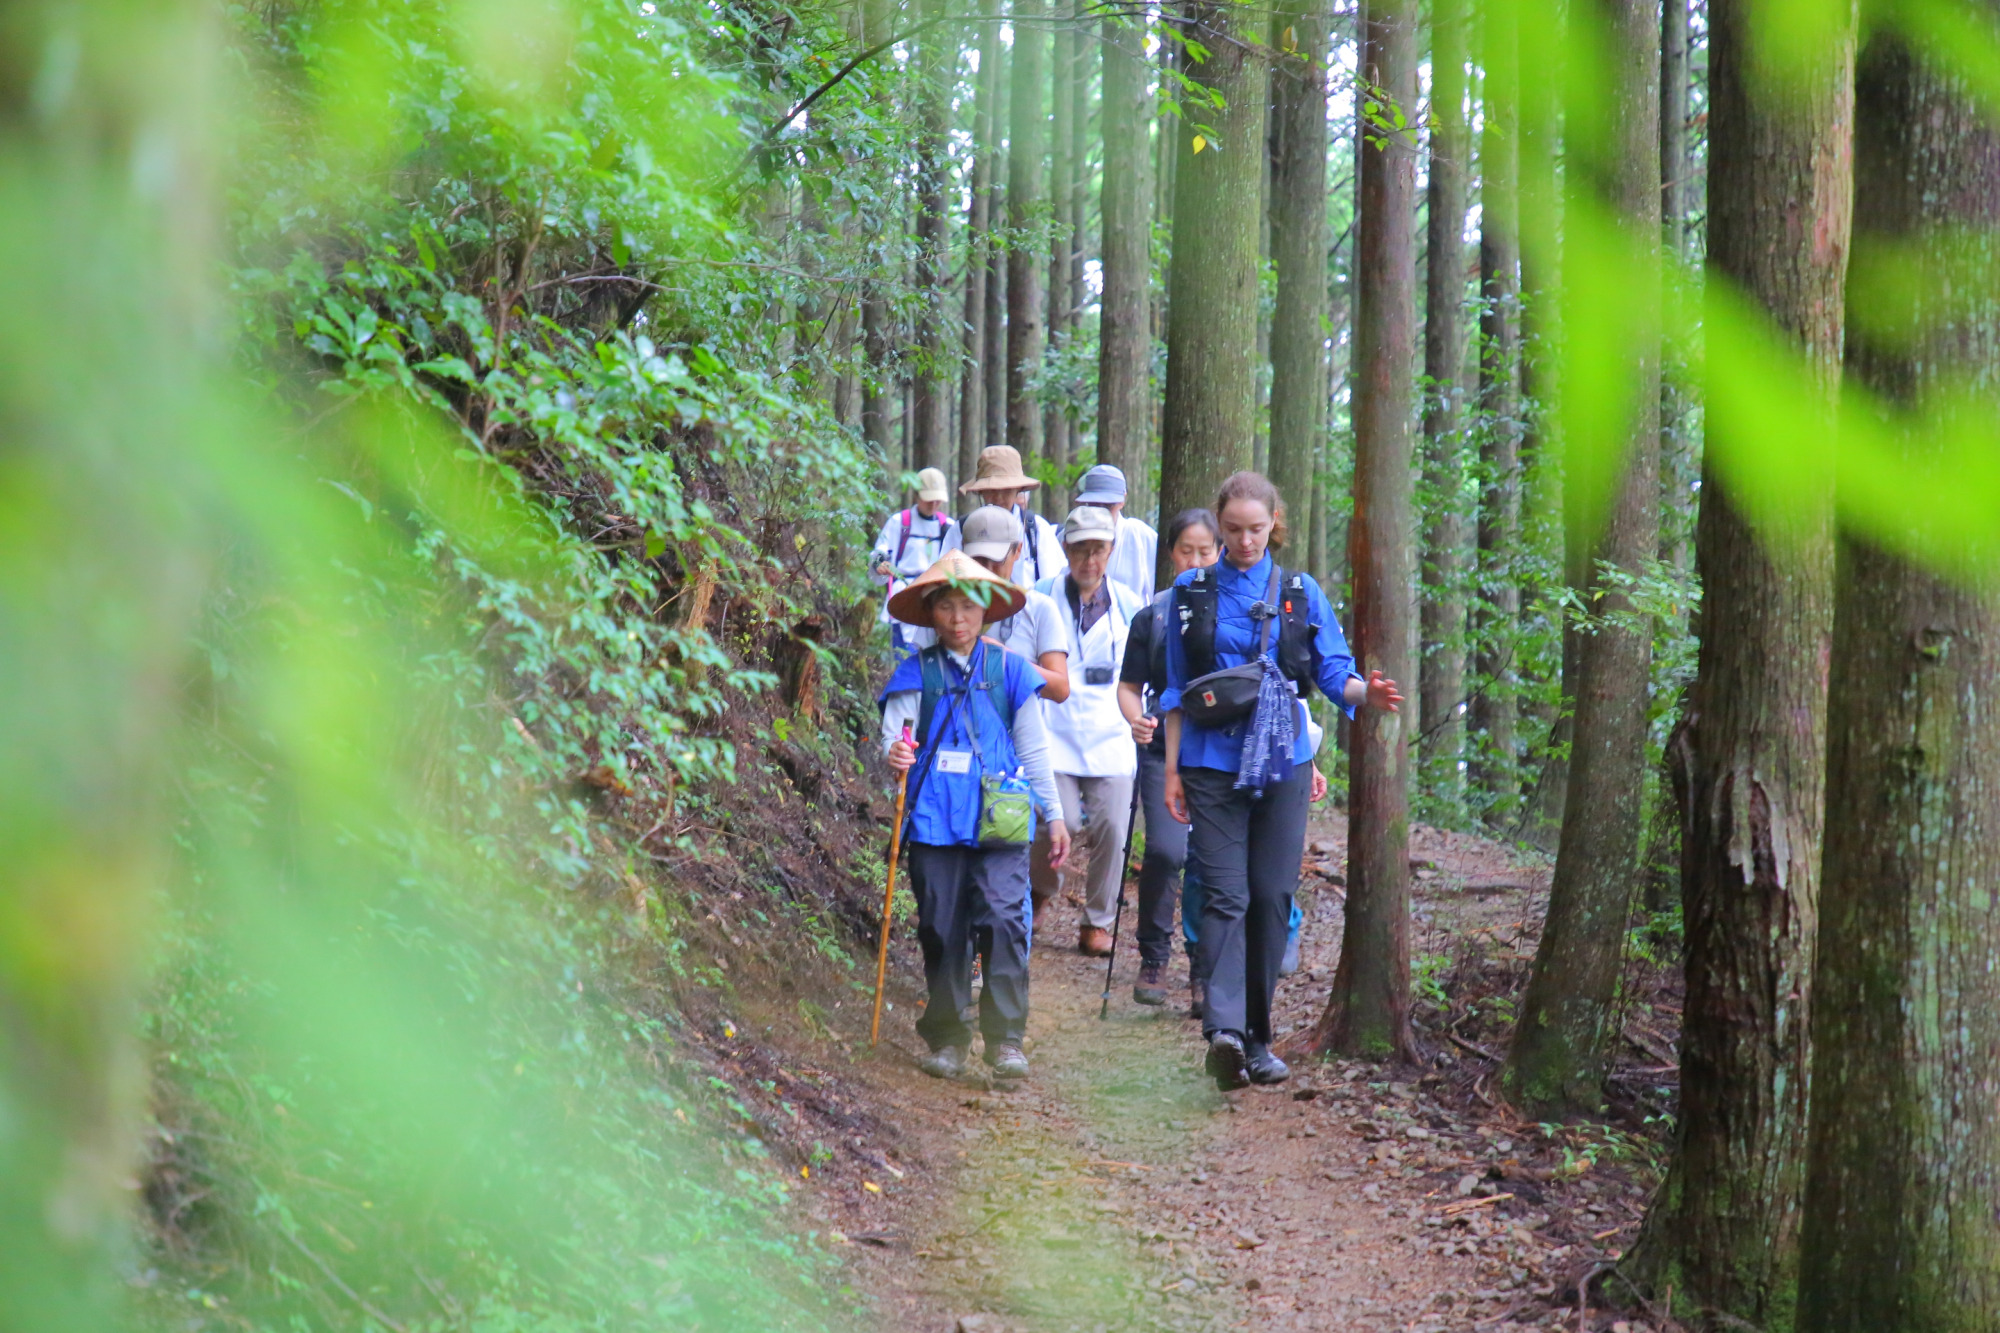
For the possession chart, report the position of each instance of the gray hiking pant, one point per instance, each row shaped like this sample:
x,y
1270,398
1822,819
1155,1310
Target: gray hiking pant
x,y
1097,812
972,900
1247,851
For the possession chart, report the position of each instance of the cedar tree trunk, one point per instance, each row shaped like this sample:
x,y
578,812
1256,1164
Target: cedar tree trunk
x,y
1209,424
1724,1231
1369,1010
1903,1160
1027,143
1442,664
1562,1038
1298,252
1125,339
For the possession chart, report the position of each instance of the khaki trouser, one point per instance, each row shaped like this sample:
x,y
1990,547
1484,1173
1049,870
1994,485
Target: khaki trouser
x,y
1102,808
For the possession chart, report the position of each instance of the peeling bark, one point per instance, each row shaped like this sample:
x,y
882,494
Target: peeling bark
x,y
1901,1228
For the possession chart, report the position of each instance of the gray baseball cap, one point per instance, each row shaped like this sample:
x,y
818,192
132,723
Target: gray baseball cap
x,y
1089,523
1102,485
991,532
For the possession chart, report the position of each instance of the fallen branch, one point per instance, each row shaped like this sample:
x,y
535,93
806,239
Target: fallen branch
x,y
347,1291
1467,1205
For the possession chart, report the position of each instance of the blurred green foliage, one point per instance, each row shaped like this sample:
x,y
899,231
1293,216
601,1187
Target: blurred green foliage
x,y
386,402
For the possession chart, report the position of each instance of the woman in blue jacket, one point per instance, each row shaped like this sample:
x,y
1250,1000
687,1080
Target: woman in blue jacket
x,y
1245,786
977,745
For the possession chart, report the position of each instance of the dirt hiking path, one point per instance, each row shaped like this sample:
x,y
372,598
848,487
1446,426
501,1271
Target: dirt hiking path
x,y
1117,1190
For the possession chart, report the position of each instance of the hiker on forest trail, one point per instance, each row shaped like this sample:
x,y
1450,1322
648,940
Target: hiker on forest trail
x,y
1192,543
999,481
978,772
1249,638
1136,546
992,536
1090,743
911,541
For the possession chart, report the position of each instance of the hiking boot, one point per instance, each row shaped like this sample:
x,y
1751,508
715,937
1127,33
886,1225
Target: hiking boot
x,y
1093,941
1225,1062
945,1062
1264,1067
1150,988
1007,1061
1291,963
1197,997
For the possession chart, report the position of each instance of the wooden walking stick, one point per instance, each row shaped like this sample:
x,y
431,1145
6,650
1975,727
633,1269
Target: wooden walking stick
x,y
889,899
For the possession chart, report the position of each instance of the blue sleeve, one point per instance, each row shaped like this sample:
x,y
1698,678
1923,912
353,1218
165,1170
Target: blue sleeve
x,y
1177,672
1336,661
908,675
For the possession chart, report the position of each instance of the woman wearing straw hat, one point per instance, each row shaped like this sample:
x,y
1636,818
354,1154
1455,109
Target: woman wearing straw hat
x,y
978,771
1000,481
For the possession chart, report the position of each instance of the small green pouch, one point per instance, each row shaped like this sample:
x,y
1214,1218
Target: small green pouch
x,y
1006,811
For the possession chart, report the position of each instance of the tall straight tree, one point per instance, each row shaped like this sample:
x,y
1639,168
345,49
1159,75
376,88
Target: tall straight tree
x,y
1027,210
1541,208
1124,339
1562,1037
930,401
1493,709
1062,236
1212,291
1369,1011
997,258
1441,669
1903,1163
879,390
1299,32
1723,1232
1676,440
979,248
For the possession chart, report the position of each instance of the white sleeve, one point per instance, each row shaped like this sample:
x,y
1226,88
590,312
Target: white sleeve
x,y
1051,630
885,546
1031,747
953,540
897,709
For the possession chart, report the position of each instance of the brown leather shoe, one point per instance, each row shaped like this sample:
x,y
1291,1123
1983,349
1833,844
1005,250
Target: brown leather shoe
x,y
1093,941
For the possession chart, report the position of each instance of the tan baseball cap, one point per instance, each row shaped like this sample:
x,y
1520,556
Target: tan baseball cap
x,y
931,485
1089,523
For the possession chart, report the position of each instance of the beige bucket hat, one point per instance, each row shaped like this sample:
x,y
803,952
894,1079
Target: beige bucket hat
x,y
912,603
999,470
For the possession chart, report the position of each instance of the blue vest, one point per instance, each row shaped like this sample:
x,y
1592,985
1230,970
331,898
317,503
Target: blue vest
x,y
962,713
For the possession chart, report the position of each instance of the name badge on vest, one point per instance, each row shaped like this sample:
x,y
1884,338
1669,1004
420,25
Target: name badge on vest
x,y
954,761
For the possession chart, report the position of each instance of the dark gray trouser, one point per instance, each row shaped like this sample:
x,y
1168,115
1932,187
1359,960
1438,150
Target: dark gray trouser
x,y
1160,870
968,900
1248,852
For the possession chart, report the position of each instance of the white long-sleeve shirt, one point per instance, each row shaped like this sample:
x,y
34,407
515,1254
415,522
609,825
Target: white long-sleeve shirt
x,y
1133,556
1031,739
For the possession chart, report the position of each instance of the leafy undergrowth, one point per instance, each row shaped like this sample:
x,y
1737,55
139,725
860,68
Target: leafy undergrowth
x,y
523,741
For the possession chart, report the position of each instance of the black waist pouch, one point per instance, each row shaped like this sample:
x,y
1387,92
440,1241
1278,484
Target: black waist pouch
x,y
1224,698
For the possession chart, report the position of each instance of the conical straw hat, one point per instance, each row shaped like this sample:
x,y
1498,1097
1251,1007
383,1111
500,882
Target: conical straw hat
x,y
912,602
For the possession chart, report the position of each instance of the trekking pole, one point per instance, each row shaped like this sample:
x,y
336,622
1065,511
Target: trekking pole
x,y
888,900
1118,913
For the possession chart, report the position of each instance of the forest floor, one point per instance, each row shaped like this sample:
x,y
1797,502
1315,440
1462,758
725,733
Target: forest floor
x,y
1118,1190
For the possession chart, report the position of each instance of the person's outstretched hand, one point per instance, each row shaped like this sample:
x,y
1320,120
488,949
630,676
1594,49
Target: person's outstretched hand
x,y
1383,694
